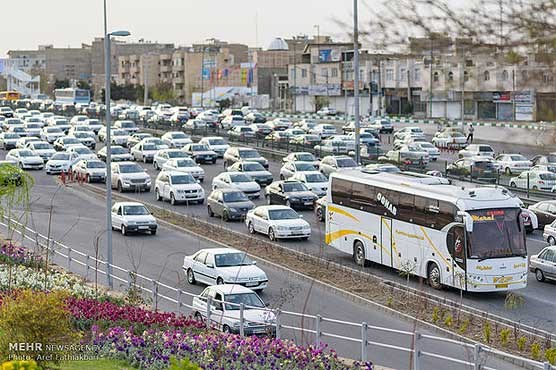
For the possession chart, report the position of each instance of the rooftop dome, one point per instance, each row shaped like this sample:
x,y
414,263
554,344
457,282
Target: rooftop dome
x,y
278,44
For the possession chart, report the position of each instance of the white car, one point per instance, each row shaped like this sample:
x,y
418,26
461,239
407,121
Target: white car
x,y
291,168
61,162
195,123
93,124
128,126
83,152
537,180
254,169
90,170
277,222
24,141
307,124
62,144
280,124
77,120
144,151
33,129
449,139
42,149
413,131
301,157
178,187
225,310
315,181
216,144
239,181
201,153
8,140
187,165
176,139
327,111
408,154
433,151
20,130
476,150
230,122
85,138
162,156
513,163
132,217
224,266
137,138
324,130
130,176
25,159
117,154
409,138
60,123
51,134
156,141
119,137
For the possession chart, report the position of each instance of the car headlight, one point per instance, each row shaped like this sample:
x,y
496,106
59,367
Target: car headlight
x,y
282,228
293,199
131,222
232,209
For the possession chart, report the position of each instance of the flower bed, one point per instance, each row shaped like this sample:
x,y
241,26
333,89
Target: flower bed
x,y
22,277
14,254
153,349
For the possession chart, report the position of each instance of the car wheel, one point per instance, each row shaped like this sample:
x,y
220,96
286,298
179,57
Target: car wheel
x,y
124,230
219,281
210,212
535,188
172,199
251,228
225,216
120,188
157,195
507,171
190,276
226,329
359,253
87,179
433,276
144,159
551,240
282,177
214,161
271,234
155,165
512,185
319,214
153,231
198,317
539,275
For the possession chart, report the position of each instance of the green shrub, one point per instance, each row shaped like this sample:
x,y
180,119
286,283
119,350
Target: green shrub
x,y
505,336
435,314
463,327
35,317
521,342
487,332
184,364
536,351
448,321
550,355
20,365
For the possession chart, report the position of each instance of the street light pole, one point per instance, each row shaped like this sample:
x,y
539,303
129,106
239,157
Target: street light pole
x,y
356,82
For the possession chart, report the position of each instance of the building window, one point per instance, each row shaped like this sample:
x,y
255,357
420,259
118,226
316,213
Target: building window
x,y
435,77
403,73
417,75
324,72
486,76
304,73
465,76
505,75
293,73
450,76
334,72
389,74
524,75
546,78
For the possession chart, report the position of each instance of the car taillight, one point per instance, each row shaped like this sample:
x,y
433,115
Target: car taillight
x,y
541,182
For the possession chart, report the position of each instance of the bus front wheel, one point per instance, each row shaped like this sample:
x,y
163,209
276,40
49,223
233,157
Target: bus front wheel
x,y
359,253
433,276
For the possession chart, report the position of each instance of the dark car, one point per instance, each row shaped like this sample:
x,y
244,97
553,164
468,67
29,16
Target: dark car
x,y
293,194
230,204
480,169
545,212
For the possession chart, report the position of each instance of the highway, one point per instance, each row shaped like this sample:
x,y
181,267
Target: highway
x,y
78,220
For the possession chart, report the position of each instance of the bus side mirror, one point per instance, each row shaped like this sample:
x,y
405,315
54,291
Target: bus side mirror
x,y
467,220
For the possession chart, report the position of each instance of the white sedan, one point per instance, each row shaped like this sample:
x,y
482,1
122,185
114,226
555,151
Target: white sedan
x,y
433,151
162,156
176,139
239,181
291,168
185,165
302,157
144,152
277,222
537,180
513,163
224,266
178,187
83,152
25,159
132,217
315,181
61,162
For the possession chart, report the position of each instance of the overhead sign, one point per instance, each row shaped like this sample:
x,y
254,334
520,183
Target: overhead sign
x,y
329,55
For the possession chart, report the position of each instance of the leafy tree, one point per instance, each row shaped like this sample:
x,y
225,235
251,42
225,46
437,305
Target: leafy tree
x,y
163,92
61,84
224,104
82,84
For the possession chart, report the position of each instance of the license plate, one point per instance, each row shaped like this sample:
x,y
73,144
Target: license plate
x,y
308,203
251,284
191,196
143,227
501,286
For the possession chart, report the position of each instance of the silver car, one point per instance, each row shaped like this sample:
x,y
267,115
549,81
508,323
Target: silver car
x,y
544,263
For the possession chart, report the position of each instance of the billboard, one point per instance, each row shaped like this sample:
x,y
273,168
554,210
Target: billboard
x,y
329,55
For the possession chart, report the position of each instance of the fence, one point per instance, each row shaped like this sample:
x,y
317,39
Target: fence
x,y
174,296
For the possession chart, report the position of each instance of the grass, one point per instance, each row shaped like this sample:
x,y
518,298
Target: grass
x,y
102,364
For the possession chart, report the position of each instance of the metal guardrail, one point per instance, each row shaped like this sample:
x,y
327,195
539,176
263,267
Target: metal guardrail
x,y
153,287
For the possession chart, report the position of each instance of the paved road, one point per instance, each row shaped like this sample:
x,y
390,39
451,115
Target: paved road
x,y
78,218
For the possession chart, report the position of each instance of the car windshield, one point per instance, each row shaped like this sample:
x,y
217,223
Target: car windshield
x,y
179,135
249,154
82,150
61,122
25,153
156,141
518,157
135,211
483,164
41,146
80,135
484,148
199,147
33,125
548,176
232,259
60,157
236,196
177,154
293,187
496,233
248,299
305,167
11,136
551,158
119,133
149,147
96,164
253,167
426,145
71,140
183,179
240,178
127,124
216,142
282,214
185,163
131,168
116,150
53,130
315,177
346,162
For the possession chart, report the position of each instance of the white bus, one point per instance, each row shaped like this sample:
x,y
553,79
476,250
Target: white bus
x,y
72,96
398,221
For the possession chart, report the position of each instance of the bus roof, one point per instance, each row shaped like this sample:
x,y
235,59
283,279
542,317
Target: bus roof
x,y
466,198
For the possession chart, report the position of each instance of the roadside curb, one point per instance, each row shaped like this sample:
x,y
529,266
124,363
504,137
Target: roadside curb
x,y
353,297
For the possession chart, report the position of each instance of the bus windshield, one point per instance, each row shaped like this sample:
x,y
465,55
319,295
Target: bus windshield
x,y
497,233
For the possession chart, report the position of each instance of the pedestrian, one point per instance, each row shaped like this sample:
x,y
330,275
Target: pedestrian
x,y
470,132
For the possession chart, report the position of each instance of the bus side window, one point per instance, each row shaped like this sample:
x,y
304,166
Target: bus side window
x,y
341,191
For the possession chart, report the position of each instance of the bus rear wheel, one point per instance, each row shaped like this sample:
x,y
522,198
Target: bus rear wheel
x,y
359,253
433,276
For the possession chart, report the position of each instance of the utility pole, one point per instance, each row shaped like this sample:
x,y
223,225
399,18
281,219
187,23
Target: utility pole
x,y
430,82
356,81
294,78
145,82
379,87
409,97
202,75
513,93
462,85
107,72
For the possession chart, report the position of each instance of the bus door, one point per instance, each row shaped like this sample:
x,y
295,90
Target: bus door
x,y
386,241
455,239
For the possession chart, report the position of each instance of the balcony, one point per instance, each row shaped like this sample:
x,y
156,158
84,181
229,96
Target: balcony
x,y
165,68
178,80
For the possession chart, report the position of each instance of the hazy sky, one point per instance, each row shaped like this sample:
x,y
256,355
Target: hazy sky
x,y
63,23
